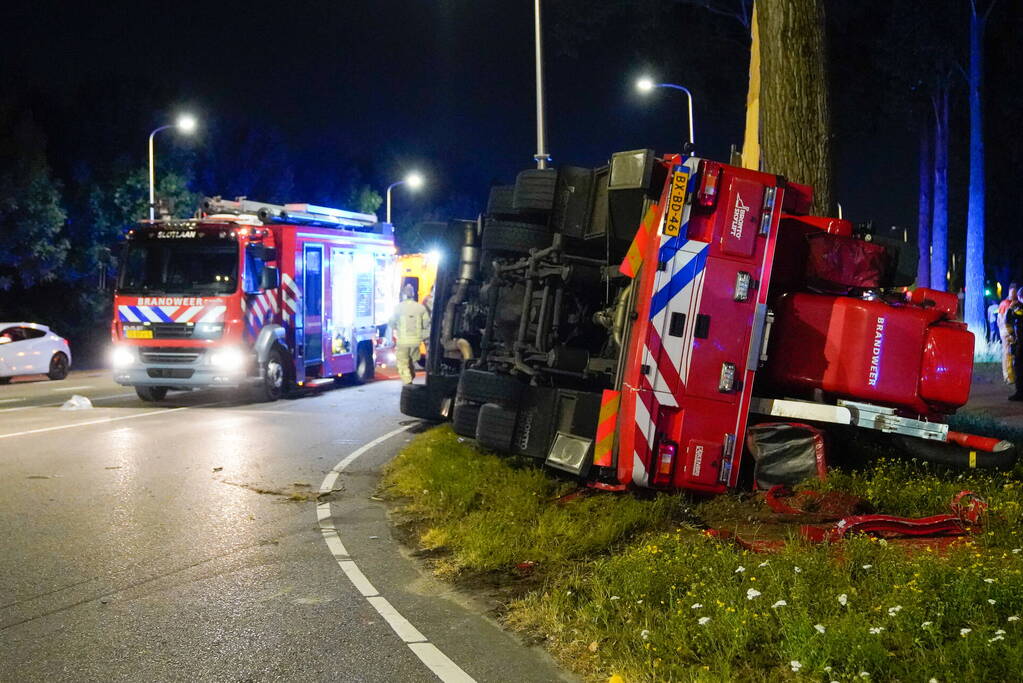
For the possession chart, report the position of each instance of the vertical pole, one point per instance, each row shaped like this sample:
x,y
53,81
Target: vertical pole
x,y
388,193
152,179
542,157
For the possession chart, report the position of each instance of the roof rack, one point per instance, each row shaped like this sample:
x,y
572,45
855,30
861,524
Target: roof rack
x,y
305,214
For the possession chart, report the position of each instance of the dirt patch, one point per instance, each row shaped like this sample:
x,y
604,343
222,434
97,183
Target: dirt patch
x,y
295,493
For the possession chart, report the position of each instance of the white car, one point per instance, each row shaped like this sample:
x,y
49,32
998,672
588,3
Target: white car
x,y
32,349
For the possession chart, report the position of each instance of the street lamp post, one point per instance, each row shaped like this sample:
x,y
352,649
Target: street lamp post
x,y
185,124
414,182
647,84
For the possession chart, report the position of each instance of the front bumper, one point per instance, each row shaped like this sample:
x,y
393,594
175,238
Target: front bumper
x,y
183,372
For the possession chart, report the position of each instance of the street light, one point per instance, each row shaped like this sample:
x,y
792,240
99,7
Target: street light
x,y
186,125
414,181
646,85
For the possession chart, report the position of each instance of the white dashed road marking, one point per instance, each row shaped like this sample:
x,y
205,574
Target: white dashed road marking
x,y
428,653
86,386
11,400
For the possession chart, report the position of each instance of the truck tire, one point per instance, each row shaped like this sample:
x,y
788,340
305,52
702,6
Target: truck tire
x,y
534,190
495,428
464,418
5,380
364,365
500,201
954,455
151,394
275,377
58,366
513,237
489,387
419,400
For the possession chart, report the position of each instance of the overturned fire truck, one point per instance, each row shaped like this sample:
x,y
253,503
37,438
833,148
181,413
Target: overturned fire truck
x,y
645,323
252,294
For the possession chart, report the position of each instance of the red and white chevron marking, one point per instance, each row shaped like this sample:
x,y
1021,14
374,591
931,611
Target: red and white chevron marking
x,y
289,297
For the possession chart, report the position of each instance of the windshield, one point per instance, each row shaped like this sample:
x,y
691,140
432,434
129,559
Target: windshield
x,y
195,266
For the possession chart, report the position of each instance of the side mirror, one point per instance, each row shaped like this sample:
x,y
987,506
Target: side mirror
x,y
270,279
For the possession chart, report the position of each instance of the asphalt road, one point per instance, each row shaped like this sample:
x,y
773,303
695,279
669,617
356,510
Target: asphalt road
x,y
184,541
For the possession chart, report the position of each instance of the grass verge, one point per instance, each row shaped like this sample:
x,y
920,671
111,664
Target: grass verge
x,y
631,587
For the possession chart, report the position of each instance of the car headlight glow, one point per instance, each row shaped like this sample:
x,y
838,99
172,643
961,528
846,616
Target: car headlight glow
x,y
228,359
121,356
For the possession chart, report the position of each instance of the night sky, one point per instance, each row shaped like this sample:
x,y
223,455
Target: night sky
x,y
446,86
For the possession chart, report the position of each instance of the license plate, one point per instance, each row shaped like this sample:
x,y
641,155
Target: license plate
x,y
676,202
138,334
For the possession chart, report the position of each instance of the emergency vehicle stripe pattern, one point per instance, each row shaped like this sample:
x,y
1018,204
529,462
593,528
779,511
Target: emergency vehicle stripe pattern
x,y
634,257
678,287
609,402
171,314
289,297
261,310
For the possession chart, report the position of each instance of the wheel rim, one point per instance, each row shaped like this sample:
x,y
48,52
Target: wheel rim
x,y
274,374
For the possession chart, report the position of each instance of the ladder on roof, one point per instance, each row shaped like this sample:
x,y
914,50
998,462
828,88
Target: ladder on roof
x,y
309,214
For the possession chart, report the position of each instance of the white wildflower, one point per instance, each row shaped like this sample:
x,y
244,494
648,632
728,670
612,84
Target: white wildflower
x,y
933,680
780,603
568,592
820,629
796,666
696,605
990,601
989,580
644,634
702,621
926,624
864,674
1017,551
876,629
867,566
740,569
797,570
764,563
615,597
965,632
1000,632
1013,618
639,602
843,599
892,611
752,593
995,639
827,669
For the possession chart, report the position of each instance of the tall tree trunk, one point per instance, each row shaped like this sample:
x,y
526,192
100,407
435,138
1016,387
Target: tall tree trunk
x,y
974,315
939,231
923,235
795,110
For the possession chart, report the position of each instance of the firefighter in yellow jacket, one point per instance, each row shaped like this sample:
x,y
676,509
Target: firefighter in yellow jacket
x,y
411,325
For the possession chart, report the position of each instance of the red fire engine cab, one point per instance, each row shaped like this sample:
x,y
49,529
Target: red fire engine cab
x,y
250,293
644,356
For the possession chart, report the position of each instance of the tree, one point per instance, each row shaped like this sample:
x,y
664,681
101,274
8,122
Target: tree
x,y
926,206
32,248
795,111
974,313
364,199
939,225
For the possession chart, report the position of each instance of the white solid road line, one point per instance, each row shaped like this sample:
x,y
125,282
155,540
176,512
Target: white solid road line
x,y
428,653
11,400
96,422
86,386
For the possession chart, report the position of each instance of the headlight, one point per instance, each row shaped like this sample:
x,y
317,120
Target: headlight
x,y
121,356
228,359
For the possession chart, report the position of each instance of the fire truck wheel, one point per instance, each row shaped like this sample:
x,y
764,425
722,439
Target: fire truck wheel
x,y
514,237
534,190
58,366
954,455
495,428
489,387
5,380
419,400
275,377
364,368
151,394
464,418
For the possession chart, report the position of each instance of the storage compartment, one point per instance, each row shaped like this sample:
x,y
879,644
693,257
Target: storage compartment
x,y
869,351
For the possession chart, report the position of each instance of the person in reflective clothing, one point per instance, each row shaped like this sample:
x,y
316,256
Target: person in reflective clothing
x,y
411,325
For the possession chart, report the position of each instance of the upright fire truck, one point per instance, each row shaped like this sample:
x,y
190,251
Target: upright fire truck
x,y
629,324
247,293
